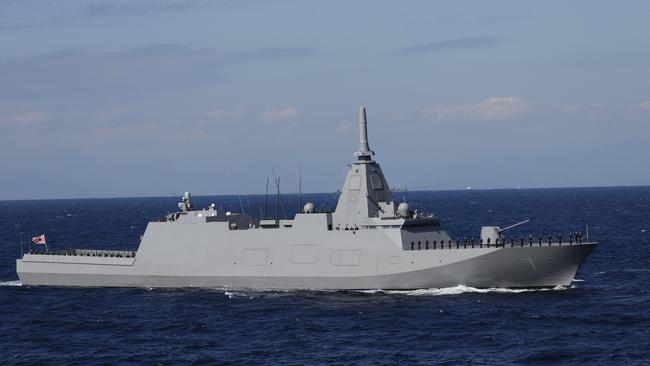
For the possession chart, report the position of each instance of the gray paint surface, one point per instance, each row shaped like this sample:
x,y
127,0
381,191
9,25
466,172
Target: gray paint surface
x,y
366,243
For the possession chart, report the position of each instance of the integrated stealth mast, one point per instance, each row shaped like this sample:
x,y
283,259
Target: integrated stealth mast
x,y
368,242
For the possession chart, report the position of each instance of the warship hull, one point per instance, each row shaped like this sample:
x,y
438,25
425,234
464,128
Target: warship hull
x,y
368,242
509,267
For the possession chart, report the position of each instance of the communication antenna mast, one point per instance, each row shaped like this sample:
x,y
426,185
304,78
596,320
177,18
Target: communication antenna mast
x,y
277,194
300,188
266,198
277,198
248,201
284,211
278,202
241,206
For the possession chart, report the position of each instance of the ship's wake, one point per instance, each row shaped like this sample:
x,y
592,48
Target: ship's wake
x,y
446,291
456,290
461,289
11,283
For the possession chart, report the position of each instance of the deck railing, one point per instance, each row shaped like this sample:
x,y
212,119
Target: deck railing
x,y
88,253
502,242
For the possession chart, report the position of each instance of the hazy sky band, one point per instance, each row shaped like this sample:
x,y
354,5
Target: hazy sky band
x,y
121,98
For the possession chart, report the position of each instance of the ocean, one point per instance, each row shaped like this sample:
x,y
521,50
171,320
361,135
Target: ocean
x,y
603,318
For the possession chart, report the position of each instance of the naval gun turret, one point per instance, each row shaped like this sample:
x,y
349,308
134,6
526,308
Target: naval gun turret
x,y
493,233
369,242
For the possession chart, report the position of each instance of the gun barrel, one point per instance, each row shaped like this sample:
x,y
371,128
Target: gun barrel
x,y
513,225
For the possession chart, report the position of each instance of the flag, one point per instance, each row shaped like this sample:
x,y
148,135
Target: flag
x,y
39,239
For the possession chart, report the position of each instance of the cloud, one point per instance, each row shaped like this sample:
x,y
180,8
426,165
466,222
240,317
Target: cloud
x,y
286,115
502,18
396,116
134,130
453,44
192,135
583,108
343,128
18,14
645,105
80,75
492,109
222,115
30,118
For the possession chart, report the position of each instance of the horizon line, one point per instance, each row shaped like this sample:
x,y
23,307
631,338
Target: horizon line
x,y
308,193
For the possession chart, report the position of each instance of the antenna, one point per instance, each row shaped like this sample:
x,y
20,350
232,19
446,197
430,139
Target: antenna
x,y
278,202
266,197
300,188
248,202
277,197
587,233
284,211
241,205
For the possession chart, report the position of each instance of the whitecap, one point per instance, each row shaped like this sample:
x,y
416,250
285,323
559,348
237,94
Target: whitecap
x,y
460,289
11,283
238,294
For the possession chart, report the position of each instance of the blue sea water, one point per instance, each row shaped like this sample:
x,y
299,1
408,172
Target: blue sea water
x,y
602,319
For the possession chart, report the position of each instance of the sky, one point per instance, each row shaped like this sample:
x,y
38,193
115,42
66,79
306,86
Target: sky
x,y
116,98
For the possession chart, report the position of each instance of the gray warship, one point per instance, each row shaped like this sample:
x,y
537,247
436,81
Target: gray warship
x,y
368,242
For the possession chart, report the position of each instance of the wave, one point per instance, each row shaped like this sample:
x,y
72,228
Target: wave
x,y
456,290
461,289
11,283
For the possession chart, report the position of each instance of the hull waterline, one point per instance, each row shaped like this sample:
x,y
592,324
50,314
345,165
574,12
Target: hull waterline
x,y
516,267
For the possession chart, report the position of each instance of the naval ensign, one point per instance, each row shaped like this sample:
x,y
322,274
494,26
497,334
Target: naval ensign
x,y
368,242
